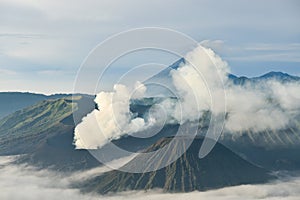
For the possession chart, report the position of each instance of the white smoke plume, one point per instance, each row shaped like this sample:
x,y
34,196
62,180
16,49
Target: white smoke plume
x,y
112,120
267,105
259,106
198,79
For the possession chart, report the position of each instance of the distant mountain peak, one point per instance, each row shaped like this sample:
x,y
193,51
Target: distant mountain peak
x,y
277,74
178,63
165,78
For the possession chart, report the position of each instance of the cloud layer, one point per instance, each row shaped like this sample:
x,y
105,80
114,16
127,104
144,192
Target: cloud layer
x,y
23,182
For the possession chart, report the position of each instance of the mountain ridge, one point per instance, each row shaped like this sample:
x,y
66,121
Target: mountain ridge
x,y
11,102
164,78
43,134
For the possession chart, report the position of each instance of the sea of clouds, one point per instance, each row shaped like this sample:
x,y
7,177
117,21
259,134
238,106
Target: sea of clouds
x,y
28,183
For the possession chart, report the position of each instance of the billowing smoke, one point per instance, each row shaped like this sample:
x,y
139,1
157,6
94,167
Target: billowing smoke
x,y
112,120
253,106
268,105
195,82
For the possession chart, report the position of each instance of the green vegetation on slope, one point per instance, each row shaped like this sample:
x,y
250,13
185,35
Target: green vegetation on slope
x,y
43,133
27,126
36,118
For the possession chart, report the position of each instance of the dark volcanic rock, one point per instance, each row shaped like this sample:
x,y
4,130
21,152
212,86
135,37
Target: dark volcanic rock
x,y
220,168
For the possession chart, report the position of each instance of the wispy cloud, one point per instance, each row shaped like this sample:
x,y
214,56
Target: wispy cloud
x,y
268,57
7,72
256,52
22,35
273,47
62,33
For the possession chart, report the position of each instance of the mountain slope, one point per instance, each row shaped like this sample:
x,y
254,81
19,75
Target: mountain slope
x,y
14,101
30,124
280,76
44,133
220,168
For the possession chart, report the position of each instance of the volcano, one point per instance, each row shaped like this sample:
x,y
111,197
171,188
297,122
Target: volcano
x,y
220,168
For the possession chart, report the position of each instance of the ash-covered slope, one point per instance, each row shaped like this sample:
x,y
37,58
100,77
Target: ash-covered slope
x,y
220,168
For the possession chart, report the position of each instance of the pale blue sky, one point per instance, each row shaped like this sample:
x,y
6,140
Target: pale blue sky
x,y
43,43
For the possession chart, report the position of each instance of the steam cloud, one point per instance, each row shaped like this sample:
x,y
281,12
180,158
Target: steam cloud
x,y
264,105
114,118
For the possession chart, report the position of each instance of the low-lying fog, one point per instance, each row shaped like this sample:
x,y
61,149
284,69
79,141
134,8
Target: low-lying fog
x,y
27,183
